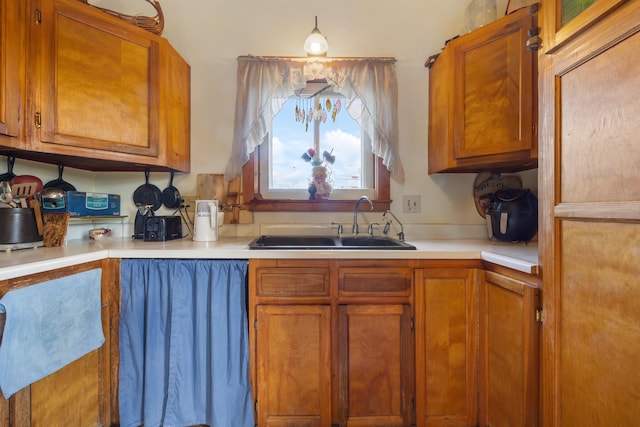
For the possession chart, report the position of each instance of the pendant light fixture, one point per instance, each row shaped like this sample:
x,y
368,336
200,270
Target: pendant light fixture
x,y
316,44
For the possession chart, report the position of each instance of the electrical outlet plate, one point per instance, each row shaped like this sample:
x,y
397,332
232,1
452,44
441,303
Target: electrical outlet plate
x,y
189,202
411,204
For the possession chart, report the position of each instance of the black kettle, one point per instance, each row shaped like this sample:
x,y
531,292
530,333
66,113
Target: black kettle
x,y
513,215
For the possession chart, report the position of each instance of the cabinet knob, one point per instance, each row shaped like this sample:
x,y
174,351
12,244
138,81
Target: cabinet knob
x,y
534,43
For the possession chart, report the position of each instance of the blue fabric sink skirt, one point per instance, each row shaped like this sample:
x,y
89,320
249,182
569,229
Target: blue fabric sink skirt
x,y
184,347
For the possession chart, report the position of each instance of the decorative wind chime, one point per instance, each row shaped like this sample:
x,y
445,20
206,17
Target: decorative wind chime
x,y
309,110
306,112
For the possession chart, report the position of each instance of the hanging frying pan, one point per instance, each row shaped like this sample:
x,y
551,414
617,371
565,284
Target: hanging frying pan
x,y
60,183
9,175
171,198
148,194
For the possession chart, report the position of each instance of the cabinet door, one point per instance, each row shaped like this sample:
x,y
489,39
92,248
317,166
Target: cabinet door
x,y
509,352
70,396
79,394
483,99
11,64
175,109
375,365
99,83
590,221
494,89
446,304
293,365
563,19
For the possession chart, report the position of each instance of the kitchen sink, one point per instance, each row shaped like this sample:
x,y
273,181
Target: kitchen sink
x,y
292,242
375,242
329,242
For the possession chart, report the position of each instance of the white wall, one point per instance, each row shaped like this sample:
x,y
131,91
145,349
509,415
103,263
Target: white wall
x,y
211,34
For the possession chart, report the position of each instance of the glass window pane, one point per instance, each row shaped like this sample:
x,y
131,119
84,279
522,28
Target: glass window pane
x,y
342,139
572,8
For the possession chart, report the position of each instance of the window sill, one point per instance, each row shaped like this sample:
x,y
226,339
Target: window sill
x,y
272,205
254,201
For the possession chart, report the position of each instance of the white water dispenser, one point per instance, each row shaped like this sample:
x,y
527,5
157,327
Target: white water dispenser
x,y
205,223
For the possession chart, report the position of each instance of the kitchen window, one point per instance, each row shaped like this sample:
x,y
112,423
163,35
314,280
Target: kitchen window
x,y
313,121
270,86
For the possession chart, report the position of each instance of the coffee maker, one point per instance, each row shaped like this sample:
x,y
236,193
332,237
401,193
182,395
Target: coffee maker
x,y
144,212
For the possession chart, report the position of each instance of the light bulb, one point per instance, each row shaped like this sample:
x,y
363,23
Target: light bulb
x,y
316,44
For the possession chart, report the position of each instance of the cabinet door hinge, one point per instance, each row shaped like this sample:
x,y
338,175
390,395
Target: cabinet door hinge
x,y
255,324
37,120
539,315
534,129
412,324
38,17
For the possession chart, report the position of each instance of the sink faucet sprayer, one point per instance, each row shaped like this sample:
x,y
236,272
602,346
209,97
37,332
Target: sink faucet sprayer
x,y
339,228
355,212
388,225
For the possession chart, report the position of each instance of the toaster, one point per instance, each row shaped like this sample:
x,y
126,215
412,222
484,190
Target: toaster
x,y
161,228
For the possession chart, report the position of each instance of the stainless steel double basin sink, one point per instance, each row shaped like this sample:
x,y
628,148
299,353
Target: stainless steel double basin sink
x,y
359,242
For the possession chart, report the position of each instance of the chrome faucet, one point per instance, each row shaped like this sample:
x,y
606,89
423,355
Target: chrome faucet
x,y
355,212
388,224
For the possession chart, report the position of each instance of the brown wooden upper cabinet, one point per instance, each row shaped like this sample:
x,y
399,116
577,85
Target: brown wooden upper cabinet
x,y
11,42
103,93
483,100
564,19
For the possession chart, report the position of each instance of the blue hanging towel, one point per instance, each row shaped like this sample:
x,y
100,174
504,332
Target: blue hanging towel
x,y
48,326
184,355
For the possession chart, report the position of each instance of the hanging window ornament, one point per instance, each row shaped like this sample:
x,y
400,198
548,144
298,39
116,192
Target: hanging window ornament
x,y
307,110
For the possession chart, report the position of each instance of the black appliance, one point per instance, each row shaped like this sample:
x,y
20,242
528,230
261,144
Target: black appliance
x,y
139,225
162,228
18,226
514,215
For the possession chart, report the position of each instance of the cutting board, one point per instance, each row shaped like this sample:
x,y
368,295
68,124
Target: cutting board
x,y
211,186
55,229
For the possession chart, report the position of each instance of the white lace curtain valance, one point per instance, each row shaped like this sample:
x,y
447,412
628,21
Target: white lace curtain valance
x,y
265,84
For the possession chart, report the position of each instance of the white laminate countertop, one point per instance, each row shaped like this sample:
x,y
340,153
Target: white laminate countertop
x,y
518,256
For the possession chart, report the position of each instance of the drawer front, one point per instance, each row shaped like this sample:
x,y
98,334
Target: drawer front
x,y
294,282
368,282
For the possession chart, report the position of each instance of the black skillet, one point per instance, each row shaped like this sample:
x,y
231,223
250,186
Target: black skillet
x,y
148,194
60,183
9,175
171,198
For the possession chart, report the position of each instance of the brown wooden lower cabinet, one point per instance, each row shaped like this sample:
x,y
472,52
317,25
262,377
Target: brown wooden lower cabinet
x,y
393,343
332,343
446,306
375,365
294,365
509,351
352,343
82,393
